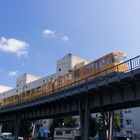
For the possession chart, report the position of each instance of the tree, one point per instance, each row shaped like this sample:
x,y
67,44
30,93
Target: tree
x,y
93,127
62,122
69,122
103,123
117,122
8,127
25,128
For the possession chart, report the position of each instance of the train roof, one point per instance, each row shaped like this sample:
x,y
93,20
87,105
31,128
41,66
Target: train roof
x,y
112,53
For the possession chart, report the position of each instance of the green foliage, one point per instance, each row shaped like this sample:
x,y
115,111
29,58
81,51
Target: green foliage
x,y
117,122
69,122
8,127
93,127
58,122
64,122
25,128
101,121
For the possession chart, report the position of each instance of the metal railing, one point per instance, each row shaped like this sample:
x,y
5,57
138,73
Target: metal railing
x,y
117,70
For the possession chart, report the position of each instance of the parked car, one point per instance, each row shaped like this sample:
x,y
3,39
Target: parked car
x,y
6,136
122,138
67,133
20,138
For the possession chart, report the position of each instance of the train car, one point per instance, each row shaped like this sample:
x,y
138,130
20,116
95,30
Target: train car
x,y
97,68
29,93
106,65
63,81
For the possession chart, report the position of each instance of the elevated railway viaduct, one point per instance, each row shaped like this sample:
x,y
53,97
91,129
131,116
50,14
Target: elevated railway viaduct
x,y
104,93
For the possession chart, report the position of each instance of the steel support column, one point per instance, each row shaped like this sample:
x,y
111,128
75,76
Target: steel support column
x,y
111,125
17,127
87,119
82,120
0,128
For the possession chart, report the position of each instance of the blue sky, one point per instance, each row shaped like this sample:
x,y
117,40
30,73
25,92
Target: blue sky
x,y
34,34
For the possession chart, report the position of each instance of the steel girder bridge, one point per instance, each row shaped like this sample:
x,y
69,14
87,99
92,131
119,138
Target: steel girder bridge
x,y
101,94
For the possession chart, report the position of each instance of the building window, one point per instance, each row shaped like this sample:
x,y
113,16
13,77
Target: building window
x,y
59,70
128,122
128,111
129,132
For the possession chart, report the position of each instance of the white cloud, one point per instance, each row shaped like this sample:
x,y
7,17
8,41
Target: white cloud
x,y
14,46
12,73
65,39
52,34
49,33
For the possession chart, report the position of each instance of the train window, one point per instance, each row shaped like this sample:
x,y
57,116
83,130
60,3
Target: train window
x,y
49,84
28,92
88,66
16,97
107,60
23,94
70,76
77,73
92,65
100,63
33,91
116,58
96,65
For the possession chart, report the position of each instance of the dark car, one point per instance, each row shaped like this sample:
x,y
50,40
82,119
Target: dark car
x,y
122,138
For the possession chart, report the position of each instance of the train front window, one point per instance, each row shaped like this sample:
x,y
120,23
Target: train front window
x,y
116,58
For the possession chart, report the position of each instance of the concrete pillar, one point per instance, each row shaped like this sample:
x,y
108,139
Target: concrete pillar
x,y
17,127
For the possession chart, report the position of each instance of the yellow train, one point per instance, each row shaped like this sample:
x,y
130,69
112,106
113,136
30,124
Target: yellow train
x,y
98,68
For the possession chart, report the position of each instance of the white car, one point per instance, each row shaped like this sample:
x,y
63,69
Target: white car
x,y
20,138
